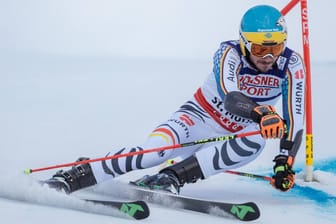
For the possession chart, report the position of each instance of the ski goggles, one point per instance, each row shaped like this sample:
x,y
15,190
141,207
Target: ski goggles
x,y
261,51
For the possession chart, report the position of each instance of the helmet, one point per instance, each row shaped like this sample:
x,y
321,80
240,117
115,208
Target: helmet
x,y
263,25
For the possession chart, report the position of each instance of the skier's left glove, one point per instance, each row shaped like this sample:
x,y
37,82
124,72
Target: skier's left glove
x,y
284,176
271,124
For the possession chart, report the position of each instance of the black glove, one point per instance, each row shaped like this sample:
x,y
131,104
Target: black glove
x,y
271,124
284,176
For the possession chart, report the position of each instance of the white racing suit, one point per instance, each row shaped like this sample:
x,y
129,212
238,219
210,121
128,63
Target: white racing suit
x,y
204,116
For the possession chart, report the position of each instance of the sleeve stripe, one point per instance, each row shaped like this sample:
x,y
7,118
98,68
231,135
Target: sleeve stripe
x,y
221,70
290,106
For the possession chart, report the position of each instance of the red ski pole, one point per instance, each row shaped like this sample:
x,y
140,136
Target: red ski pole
x,y
169,147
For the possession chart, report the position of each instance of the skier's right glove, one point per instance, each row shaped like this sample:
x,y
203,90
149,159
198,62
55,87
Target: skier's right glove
x,y
284,177
271,124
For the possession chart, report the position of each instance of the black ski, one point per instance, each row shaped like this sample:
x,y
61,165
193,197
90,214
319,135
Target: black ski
x,y
135,209
245,211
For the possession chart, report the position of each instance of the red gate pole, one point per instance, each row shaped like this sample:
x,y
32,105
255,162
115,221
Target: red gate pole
x,y
309,120
308,92
289,7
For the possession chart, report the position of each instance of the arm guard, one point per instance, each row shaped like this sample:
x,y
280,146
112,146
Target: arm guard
x,y
239,104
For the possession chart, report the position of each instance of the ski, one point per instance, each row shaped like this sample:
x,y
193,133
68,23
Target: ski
x,y
242,211
135,209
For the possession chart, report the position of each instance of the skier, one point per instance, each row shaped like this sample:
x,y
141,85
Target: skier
x,y
249,76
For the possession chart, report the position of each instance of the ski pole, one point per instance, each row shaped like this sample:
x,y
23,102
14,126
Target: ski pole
x,y
202,141
251,175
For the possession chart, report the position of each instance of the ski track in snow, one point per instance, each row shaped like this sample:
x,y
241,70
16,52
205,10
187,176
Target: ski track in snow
x,y
23,188
318,197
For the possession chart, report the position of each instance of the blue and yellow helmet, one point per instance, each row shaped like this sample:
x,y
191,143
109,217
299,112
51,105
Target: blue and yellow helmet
x,y
263,25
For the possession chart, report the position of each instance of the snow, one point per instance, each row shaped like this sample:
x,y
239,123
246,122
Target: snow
x,y
81,78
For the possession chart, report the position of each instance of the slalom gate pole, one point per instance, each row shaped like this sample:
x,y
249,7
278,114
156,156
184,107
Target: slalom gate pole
x,y
251,175
203,141
308,92
309,119
289,7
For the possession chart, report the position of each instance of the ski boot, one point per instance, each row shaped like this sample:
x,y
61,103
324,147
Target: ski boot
x,y
172,178
76,178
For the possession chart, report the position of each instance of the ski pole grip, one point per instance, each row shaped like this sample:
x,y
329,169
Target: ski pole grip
x,y
27,171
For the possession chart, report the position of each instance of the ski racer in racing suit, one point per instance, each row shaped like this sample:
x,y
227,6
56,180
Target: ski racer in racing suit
x,y
249,77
